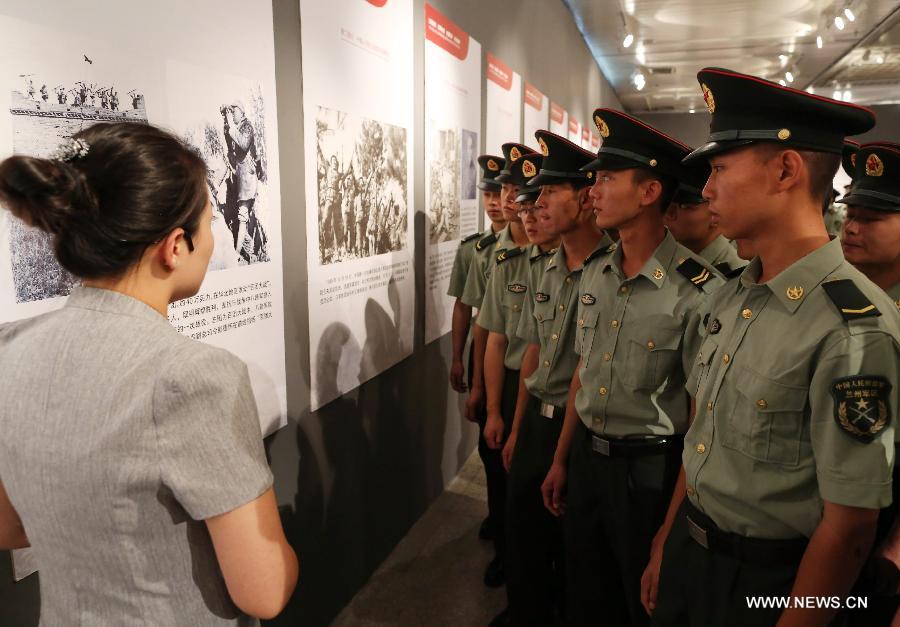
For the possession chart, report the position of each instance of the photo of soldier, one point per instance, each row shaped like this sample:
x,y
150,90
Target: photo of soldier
x,y
444,185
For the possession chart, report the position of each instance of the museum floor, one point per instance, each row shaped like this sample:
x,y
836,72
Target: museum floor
x,y
433,576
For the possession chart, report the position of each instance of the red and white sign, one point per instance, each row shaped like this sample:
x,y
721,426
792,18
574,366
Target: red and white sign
x,y
559,119
536,114
499,72
441,30
503,115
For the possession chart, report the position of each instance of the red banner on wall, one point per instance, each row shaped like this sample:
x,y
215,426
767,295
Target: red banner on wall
x,y
377,3
573,125
595,142
557,113
499,72
533,96
441,30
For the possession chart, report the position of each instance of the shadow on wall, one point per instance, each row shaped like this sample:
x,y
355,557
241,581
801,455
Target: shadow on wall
x,y
369,462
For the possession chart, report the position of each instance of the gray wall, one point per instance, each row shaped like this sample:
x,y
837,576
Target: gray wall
x,y
354,476
693,128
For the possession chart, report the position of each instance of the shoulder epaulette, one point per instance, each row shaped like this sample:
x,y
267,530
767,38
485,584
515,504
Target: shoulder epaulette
x,y
599,253
695,272
728,271
484,242
544,253
469,238
850,301
509,254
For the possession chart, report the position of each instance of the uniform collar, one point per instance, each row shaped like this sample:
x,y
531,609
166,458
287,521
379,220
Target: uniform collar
x,y
715,250
535,252
794,283
656,269
109,301
504,239
559,258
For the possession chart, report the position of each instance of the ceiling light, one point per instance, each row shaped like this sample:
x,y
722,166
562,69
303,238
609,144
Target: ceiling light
x,y
639,81
837,94
640,53
791,47
819,41
849,14
879,58
629,39
848,95
629,7
789,76
839,22
811,90
692,110
782,83
783,58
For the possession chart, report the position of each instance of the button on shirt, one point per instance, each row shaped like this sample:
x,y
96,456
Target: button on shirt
x,y
549,321
507,289
765,385
483,263
637,338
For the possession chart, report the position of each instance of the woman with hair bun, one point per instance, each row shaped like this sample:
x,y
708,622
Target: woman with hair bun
x,y
131,457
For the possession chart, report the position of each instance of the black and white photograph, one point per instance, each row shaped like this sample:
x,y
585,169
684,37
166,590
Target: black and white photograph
x,y
362,187
46,108
469,164
443,185
233,145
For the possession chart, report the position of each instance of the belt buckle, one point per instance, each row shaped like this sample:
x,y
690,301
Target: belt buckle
x,y
600,445
698,533
547,410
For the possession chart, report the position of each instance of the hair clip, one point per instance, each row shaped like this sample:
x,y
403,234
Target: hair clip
x,y
70,150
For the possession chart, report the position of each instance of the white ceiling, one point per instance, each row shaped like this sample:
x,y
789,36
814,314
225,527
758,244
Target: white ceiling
x,y
673,39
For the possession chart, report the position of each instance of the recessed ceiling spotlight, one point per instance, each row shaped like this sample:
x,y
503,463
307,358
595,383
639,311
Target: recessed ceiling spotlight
x,y
640,53
629,39
848,95
782,83
879,58
783,58
837,94
839,22
849,14
789,77
811,90
819,41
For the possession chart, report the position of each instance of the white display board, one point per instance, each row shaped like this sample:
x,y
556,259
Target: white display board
x,y
358,125
67,66
503,118
559,120
574,130
536,114
452,129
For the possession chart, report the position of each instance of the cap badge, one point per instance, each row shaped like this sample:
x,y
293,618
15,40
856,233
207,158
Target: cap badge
x,y
708,98
874,165
528,169
784,134
653,163
601,126
853,159
795,292
658,274
544,150
515,153
492,165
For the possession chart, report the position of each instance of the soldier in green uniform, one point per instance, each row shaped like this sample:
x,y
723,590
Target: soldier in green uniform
x,y
547,324
618,453
871,242
462,314
789,456
483,264
689,220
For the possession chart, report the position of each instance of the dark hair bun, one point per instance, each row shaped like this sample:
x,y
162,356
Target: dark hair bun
x,y
134,185
44,193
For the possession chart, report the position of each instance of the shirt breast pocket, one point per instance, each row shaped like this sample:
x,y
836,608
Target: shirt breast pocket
x,y
588,317
700,371
544,313
512,302
765,419
651,353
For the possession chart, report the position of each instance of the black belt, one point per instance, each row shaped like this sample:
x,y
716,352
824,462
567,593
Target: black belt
x,y
551,412
629,447
759,551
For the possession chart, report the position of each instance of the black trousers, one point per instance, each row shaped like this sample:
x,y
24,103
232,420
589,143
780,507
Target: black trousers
x,y
534,561
702,588
494,471
614,506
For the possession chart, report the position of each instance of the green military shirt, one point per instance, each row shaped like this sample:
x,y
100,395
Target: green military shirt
x,y
637,338
506,291
548,319
721,254
461,264
796,390
894,293
483,262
